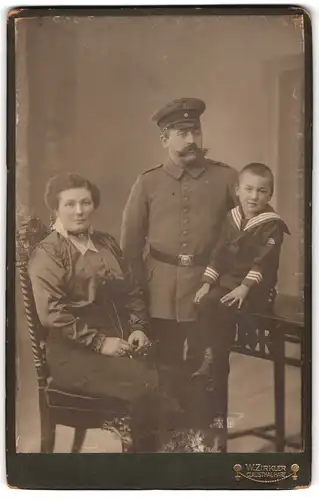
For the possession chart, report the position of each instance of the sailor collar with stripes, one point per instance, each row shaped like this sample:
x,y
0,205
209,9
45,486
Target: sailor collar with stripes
x,y
81,247
238,219
236,216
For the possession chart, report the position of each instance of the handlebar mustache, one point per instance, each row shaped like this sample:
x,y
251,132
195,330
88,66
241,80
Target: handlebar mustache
x,y
193,149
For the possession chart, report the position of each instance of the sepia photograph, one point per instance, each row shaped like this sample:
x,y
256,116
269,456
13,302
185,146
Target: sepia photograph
x,y
161,279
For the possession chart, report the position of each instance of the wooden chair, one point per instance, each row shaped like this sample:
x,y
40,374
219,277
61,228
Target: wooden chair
x,y
56,405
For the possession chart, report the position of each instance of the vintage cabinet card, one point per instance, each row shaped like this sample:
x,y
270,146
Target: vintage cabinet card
x,y
159,233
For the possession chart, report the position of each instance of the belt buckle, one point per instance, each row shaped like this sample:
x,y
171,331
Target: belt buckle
x,y
186,260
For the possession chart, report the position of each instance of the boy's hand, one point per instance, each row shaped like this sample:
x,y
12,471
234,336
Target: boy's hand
x,y
237,295
201,292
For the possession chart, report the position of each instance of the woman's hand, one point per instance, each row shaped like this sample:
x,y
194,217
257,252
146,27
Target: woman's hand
x,y
114,346
138,339
237,295
201,292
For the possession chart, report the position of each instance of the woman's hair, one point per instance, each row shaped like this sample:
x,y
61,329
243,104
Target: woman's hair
x,y
62,182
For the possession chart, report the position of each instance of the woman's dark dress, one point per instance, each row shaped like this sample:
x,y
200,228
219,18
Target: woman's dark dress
x,y
82,298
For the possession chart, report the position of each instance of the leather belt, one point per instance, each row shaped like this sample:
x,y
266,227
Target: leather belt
x,y
183,260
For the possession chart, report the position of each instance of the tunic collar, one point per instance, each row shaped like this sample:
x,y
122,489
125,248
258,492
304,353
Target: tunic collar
x,y
81,247
177,171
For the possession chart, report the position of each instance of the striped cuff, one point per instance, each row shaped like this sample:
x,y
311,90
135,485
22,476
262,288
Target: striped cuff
x,y
252,278
98,342
136,323
211,275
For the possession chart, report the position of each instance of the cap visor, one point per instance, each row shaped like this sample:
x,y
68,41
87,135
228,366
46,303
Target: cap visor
x,y
183,124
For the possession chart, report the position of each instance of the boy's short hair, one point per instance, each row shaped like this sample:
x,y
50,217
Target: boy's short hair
x,y
260,169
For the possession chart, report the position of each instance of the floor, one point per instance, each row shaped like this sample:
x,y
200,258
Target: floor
x,y
251,403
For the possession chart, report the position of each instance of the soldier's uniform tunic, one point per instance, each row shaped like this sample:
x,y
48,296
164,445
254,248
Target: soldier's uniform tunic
x,y
175,211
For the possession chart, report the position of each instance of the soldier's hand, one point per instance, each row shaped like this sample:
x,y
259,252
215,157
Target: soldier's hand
x,y
138,339
237,295
204,289
114,346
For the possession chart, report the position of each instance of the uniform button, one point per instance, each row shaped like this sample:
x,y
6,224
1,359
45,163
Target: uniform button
x,y
186,198
185,210
185,231
184,245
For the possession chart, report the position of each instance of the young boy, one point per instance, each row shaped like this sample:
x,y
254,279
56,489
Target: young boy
x,y
242,271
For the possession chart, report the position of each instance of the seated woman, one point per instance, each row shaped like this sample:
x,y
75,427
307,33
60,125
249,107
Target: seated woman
x,y
95,314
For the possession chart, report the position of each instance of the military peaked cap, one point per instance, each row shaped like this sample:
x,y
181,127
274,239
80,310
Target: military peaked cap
x,y
185,111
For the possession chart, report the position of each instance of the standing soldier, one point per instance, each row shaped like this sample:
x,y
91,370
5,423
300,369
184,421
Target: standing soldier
x,y
175,212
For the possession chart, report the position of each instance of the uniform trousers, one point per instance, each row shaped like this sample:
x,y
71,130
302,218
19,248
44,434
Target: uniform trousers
x,y
176,362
